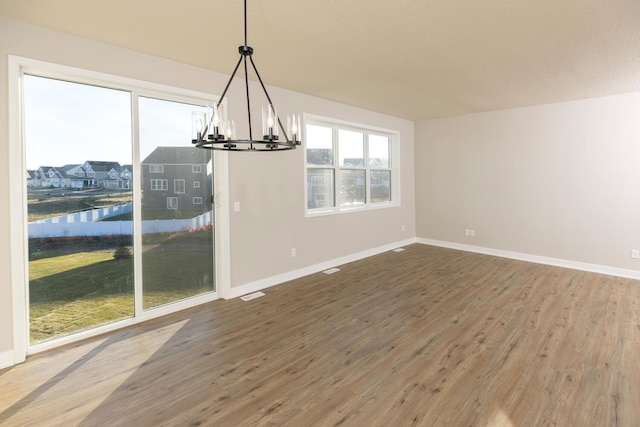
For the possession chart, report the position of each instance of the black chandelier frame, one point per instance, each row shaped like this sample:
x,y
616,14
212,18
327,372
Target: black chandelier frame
x,y
211,139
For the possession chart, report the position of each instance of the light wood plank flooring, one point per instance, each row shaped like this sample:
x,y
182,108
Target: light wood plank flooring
x,y
428,337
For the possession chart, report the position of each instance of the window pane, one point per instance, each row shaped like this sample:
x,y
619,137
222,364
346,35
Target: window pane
x,y
351,187
351,148
378,151
177,216
78,154
380,186
178,185
319,143
320,188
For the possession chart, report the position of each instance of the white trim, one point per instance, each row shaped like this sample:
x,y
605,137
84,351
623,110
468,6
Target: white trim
x,y
17,225
222,241
268,282
137,213
6,359
557,262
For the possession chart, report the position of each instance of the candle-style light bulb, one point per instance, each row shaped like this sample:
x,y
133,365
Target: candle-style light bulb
x,y
198,119
199,126
293,124
230,129
216,117
269,122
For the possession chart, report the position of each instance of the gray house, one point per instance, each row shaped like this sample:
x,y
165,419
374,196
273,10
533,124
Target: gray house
x,y
177,178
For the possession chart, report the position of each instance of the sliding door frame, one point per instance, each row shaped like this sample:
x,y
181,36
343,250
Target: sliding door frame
x,y
18,66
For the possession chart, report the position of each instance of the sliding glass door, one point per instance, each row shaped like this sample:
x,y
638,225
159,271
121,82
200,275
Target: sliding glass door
x,y
78,148
120,215
177,212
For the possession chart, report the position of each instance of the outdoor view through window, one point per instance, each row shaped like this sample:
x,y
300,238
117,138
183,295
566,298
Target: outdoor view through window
x,y
80,201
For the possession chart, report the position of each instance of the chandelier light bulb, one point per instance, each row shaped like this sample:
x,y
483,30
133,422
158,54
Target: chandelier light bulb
x,y
220,134
198,119
293,126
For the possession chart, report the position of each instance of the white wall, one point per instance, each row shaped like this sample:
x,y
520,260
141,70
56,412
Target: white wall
x,y
559,181
269,186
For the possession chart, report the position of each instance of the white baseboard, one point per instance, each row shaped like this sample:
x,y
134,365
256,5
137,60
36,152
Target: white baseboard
x,y
575,265
259,285
6,359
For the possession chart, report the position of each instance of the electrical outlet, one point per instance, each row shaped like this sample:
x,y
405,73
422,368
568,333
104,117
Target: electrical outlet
x,y
402,228
236,206
635,253
472,232
467,232
293,252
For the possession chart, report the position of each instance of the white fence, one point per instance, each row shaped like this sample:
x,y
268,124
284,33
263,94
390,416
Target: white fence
x,y
89,216
72,225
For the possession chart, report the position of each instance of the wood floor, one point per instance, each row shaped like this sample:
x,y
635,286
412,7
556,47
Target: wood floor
x,y
428,337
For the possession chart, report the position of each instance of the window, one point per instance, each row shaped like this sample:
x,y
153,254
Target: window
x,y
159,185
196,169
156,168
196,184
172,203
178,186
197,200
349,167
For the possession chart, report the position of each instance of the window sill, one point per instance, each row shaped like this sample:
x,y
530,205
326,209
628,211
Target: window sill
x,y
311,213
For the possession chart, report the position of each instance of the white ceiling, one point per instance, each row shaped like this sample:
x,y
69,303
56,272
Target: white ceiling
x,y
415,59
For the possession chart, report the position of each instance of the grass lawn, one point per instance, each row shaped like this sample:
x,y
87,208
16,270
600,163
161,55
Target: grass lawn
x,y
55,202
70,292
73,292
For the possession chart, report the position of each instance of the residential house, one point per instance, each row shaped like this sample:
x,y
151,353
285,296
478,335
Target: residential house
x,y
50,177
126,177
73,176
176,178
32,178
90,174
102,174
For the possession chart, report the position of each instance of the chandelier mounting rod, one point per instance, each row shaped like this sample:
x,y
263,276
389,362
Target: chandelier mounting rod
x,y
210,135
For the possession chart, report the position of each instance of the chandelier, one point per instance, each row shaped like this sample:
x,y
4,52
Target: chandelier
x,y
212,130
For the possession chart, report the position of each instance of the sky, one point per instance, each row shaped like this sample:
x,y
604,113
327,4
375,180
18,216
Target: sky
x,y
69,123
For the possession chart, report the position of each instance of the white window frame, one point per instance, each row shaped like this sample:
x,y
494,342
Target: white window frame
x,y
394,166
196,184
153,168
197,201
176,184
18,237
164,184
172,203
196,168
